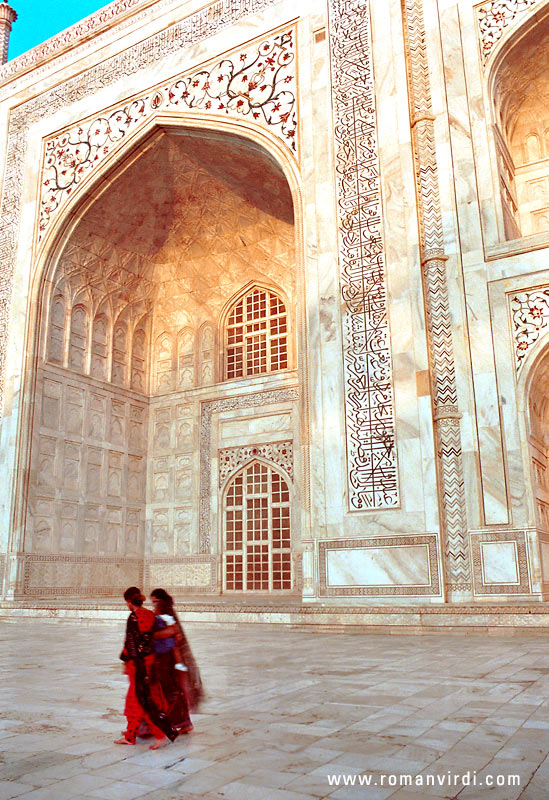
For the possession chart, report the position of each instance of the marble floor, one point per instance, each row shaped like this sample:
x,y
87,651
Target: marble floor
x,y
287,712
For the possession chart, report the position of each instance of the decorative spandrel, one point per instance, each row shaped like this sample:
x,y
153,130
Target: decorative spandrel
x,y
494,17
530,317
257,84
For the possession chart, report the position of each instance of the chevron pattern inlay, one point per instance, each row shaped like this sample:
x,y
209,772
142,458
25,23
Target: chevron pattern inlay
x,y
437,307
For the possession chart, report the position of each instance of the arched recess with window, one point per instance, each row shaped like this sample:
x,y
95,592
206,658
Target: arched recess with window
x,y
257,551
519,86
128,351
533,391
256,333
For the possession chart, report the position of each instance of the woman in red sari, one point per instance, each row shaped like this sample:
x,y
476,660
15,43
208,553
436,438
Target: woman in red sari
x,y
144,700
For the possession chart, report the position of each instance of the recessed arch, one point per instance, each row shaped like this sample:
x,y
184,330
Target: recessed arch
x,y
533,421
518,82
139,302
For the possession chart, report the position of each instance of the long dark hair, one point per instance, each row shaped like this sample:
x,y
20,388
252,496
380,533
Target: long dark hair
x,y
134,596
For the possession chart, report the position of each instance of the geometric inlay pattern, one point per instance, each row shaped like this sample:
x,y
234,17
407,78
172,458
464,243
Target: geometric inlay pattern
x,y
493,17
371,452
231,458
519,538
530,317
257,84
437,305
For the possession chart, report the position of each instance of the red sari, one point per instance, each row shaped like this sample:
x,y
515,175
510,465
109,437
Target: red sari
x,y
144,700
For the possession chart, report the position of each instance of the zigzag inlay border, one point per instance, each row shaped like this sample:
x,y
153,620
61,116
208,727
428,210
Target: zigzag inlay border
x,y
437,307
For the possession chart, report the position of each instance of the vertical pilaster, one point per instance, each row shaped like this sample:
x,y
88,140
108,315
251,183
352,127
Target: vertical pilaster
x,y
446,416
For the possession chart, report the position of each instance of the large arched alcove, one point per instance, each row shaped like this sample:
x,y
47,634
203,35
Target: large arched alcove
x,y
537,390
520,94
129,341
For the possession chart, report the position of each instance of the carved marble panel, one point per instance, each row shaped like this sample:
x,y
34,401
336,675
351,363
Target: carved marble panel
x,y
279,453
51,404
47,575
193,572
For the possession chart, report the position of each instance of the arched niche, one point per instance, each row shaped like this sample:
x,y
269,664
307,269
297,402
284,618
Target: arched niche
x,y
519,87
132,295
536,406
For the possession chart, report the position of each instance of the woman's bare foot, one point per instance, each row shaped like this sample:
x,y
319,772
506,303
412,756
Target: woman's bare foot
x,y
123,740
158,743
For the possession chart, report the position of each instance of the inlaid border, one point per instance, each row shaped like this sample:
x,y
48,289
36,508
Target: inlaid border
x,y
372,470
519,537
379,591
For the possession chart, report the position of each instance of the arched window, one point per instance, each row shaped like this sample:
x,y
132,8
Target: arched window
x,y
257,531
257,335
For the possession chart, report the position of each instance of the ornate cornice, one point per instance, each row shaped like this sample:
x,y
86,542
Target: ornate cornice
x,y
87,29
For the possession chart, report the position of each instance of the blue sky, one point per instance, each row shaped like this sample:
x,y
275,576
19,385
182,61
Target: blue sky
x,y
38,20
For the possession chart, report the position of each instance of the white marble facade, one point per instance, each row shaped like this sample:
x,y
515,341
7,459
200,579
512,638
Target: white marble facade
x,y
275,302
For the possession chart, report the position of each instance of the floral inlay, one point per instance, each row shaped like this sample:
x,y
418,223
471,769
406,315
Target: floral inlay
x,y
257,84
530,314
494,17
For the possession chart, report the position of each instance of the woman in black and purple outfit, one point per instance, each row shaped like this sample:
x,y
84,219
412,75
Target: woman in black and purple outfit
x,y
175,666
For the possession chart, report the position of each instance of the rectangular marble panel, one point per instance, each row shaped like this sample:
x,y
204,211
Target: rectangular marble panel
x,y
195,573
499,562
379,566
235,428
545,560
70,575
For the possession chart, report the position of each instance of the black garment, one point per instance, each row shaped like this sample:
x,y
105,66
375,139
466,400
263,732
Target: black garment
x,y
138,646
178,710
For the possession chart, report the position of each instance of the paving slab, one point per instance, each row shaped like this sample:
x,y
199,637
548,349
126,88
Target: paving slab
x,y
289,715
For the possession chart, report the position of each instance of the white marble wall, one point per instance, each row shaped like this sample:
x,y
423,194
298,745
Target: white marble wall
x,y
393,553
